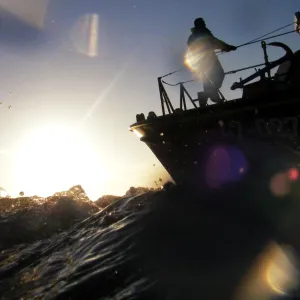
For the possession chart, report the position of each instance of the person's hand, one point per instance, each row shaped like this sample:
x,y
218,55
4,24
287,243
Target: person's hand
x,y
232,48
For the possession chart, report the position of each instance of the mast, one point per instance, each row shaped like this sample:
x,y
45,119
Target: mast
x,y
297,21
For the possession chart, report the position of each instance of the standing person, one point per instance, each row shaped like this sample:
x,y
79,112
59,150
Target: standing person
x,y
202,45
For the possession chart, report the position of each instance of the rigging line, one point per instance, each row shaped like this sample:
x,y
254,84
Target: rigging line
x,y
243,69
257,41
268,38
272,32
178,83
172,73
226,73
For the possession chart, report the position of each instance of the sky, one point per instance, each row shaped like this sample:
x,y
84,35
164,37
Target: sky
x,y
74,74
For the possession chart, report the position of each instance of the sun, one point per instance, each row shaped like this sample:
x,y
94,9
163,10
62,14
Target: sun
x,y
54,158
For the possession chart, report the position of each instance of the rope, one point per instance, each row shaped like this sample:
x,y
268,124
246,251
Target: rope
x,y
243,69
259,40
226,73
172,73
273,31
178,83
271,37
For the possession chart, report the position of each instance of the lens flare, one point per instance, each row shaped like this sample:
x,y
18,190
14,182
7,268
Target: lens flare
x,y
272,274
280,185
85,35
293,174
225,164
199,56
281,275
192,60
137,133
93,37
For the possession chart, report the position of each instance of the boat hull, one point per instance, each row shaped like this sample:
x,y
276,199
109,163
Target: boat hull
x,y
226,141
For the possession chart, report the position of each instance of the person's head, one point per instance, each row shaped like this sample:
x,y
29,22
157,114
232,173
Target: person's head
x,y
199,23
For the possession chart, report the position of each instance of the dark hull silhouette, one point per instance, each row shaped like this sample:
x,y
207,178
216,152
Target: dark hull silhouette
x,y
185,142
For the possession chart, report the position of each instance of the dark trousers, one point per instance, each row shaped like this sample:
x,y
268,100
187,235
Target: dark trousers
x,y
212,81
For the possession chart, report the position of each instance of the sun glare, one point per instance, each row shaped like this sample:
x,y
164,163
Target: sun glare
x,y
55,158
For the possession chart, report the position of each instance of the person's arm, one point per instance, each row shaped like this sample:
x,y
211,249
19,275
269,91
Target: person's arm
x,y
220,45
